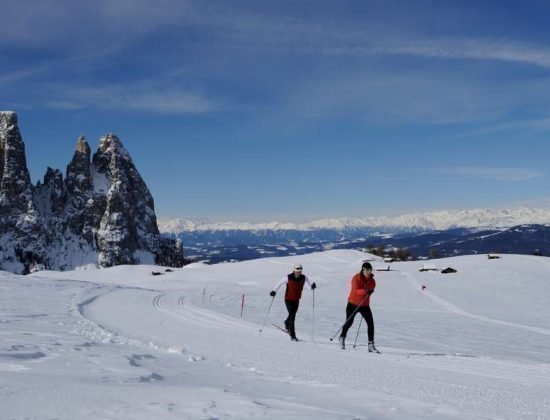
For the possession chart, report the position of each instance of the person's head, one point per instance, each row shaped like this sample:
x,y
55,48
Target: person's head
x,y
366,269
298,268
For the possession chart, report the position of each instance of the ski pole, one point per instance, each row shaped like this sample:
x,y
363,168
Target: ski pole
x,y
266,315
350,317
313,334
355,342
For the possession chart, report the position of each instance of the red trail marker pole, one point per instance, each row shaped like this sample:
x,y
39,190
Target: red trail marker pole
x,y
242,305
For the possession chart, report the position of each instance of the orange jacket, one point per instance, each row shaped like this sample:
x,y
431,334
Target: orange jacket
x,y
360,285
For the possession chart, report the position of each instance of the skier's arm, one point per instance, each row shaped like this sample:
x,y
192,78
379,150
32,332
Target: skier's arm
x,y
371,285
284,280
313,286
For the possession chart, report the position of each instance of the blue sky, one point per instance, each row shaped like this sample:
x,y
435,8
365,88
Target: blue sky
x,y
291,110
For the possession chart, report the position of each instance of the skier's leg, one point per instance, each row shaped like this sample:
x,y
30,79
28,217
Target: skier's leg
x,y
367,315
289,308
292,307
350,315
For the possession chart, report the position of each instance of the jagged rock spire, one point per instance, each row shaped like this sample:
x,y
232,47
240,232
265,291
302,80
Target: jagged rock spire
x,y
101,213
135,226
82,146
15,182
21,233
78,176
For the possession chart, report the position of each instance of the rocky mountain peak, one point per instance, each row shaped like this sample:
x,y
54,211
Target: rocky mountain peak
x,y
102,213
21,233
78,170
111,154
82,147
8,118
107,142
129,218
15,182
50,197
53,176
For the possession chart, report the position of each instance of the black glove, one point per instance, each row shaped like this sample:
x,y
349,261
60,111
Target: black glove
x,y
370,292
313,286
272,293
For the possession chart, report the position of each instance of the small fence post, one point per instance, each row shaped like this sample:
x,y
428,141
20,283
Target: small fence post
x,y
242,305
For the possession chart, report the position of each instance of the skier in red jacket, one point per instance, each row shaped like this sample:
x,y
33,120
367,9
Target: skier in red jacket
x,y
294,285
362,286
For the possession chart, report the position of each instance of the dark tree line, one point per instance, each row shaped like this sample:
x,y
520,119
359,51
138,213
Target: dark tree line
x,y
398,254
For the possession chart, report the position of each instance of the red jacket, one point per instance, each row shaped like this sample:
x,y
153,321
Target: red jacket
x,y
360,285
294,287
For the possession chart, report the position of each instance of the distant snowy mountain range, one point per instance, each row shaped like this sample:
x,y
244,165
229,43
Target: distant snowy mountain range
x,y
445,233
438,220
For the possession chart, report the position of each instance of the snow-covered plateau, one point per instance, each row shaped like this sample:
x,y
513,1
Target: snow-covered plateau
x,y
120,343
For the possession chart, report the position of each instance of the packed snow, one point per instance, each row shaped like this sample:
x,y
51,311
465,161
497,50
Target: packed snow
x,y
122,343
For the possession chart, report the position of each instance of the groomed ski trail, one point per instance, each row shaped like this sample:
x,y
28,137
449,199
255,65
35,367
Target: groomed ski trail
x,y
472,384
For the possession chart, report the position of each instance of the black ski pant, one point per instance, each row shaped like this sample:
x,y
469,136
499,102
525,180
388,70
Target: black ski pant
x,y
292,308
351,311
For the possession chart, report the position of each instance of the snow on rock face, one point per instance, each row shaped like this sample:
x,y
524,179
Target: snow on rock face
x,y
21,234
101,213
15,182
129,223
78,176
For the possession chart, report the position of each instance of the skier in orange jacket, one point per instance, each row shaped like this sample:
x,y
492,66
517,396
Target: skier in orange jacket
x,y
362,286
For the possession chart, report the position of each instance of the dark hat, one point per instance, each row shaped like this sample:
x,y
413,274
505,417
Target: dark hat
x,y
366,265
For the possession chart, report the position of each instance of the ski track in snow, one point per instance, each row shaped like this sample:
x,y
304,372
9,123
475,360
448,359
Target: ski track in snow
x,y
456,310
122,345
205,318
232,341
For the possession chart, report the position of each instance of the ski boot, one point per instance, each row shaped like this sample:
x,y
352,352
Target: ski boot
x,y
372,348
342,341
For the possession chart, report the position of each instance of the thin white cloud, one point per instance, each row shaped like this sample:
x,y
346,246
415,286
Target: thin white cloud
x,y
535,124
57,24
15,76
144,97
456,48
496,174
476,49
392,97
417,97
316,37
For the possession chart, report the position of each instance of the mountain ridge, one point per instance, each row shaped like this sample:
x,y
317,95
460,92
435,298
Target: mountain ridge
x,y
427,221
100,213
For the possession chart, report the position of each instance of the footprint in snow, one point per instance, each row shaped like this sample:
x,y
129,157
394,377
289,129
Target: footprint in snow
x,y
83,346
24,356
151,378
135,358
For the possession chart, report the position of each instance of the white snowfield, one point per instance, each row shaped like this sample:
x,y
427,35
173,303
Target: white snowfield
x,y
120,343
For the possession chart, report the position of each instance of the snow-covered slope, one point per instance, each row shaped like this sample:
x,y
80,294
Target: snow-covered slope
x,y
439,220
121,343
